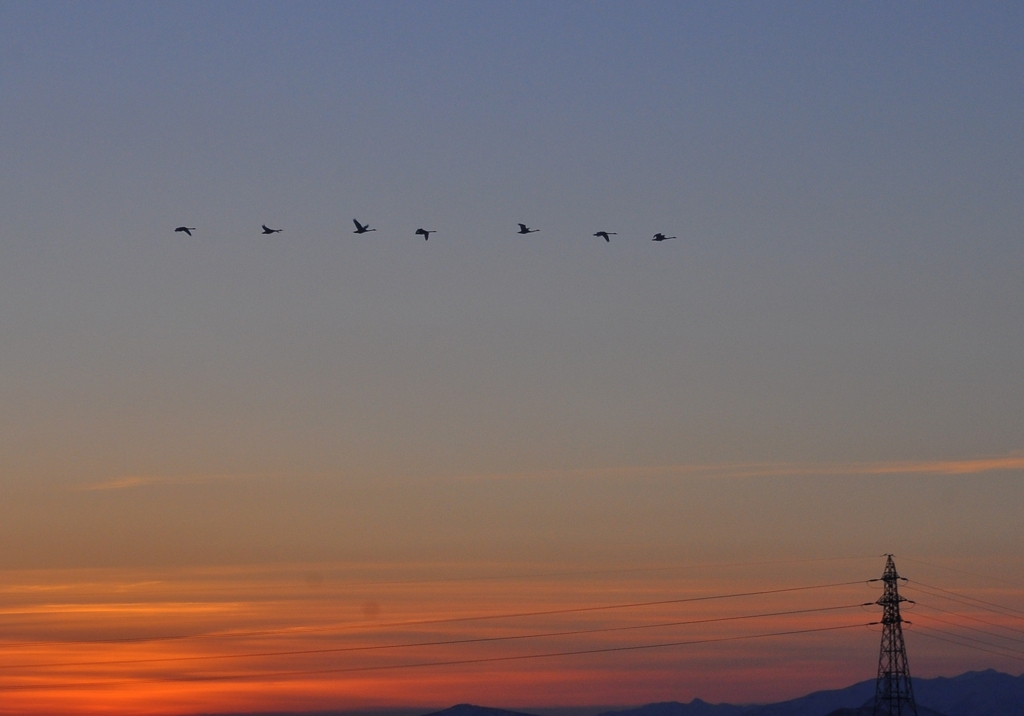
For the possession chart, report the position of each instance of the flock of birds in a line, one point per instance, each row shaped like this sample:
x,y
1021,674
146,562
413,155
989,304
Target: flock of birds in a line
x,y
425,233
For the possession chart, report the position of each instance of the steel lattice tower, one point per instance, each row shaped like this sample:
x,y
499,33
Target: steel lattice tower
x,y
894,694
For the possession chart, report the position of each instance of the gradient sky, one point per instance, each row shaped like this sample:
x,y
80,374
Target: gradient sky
x,y
826,365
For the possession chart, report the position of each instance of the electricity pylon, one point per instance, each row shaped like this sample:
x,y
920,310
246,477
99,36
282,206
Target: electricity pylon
x,y
894,694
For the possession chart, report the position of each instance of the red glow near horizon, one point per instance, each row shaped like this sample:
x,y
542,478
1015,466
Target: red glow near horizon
x,y
310,637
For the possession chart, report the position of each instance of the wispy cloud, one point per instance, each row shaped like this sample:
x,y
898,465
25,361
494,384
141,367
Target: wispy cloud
x,y
973,466
120,483
946,467
133,481
1013,462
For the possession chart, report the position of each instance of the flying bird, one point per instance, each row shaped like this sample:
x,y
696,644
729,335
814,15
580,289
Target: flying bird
x,y
524,229
268,230
605,234
187,229
425,233
662,237
361,228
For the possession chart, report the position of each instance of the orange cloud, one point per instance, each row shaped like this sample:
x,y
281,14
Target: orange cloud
x,y
121,483
133,481
1013,462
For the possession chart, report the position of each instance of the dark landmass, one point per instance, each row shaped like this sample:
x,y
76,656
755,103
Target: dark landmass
x,y
697,707
471,710
975,693
868,709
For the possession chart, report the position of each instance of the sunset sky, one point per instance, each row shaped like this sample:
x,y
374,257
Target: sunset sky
x,y
246,473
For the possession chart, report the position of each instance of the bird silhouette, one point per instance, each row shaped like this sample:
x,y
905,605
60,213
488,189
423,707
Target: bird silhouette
x,y
268,230
662,237
425,234
187,229
605,234
524,229
361,228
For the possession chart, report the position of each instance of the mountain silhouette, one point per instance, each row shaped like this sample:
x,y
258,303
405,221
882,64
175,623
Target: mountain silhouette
x,y
471,710
975,693
868,709
697,707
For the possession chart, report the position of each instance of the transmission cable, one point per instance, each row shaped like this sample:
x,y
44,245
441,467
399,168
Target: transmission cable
x,y
964,626
962,571
971,638
967,646
584,573
457,662
578,573
966,616
446,620
973,599
446,642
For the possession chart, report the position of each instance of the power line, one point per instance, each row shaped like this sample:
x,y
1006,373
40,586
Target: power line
x,y
964,626
974,639
447,642
971,603
967,646
584,573
453,620
966,616
982,601
544,575
962,571
424,664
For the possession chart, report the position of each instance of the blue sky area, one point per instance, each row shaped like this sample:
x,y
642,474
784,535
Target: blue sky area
x,y
845,181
